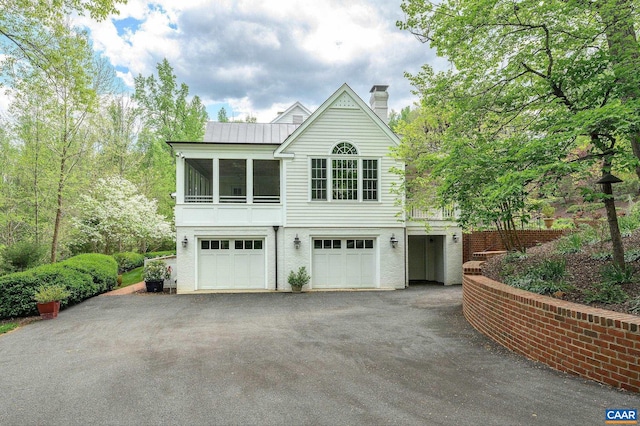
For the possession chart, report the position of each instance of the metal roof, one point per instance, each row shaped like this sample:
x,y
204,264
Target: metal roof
x,y
248,133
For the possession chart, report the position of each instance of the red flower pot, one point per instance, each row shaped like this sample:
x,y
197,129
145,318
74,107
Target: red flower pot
x,y
49,310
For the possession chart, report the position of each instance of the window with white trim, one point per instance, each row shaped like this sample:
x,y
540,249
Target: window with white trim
x,y
349,177
319,179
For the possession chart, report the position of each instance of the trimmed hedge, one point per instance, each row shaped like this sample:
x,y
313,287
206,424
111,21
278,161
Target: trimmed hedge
x,y
128,260
154,254
84,276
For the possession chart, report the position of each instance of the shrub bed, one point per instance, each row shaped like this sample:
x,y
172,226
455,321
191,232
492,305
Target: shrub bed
x,y
154,254
128,260
84,276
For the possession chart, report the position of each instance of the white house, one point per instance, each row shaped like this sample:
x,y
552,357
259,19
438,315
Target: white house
x,y
255,201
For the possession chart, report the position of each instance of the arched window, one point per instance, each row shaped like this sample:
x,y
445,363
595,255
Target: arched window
x,y
344,176
344,148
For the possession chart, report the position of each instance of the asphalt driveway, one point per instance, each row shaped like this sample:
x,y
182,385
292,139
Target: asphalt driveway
x,y
357,358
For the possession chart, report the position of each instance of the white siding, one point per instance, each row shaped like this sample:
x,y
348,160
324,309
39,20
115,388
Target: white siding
x,y
187,262
390,265
333,126
287,116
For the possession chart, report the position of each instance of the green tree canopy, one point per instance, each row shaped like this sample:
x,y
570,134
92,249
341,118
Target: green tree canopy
x,y
167,115
530,80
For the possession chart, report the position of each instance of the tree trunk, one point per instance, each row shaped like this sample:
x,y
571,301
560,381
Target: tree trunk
x,y
58,221
614,229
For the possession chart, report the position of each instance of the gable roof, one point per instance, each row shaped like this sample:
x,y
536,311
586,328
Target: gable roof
x,y
248,133
282,115
337,95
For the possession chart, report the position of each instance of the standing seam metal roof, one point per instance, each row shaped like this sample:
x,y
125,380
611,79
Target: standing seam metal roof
x,y
248,133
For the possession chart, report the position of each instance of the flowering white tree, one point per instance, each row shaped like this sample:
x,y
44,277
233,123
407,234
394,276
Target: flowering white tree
x,y
115,216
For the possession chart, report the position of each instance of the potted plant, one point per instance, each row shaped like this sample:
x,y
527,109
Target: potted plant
x,y
48,299
298,279
548,211
154,274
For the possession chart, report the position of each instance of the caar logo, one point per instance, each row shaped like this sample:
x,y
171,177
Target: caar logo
x,y
621,417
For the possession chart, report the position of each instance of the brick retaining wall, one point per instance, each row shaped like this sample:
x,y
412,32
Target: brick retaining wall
x,y
594,343
490,240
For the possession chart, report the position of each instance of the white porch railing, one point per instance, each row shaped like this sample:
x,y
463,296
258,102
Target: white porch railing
x,y
445,213
198,198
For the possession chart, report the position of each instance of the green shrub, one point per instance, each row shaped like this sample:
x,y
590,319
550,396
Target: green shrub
x,y
631,255
606,292
83,276
514,256
128,260
563,223
102,268
587,207
79,284
635,306
51,293
628,224
22,256
571,243
155,270
615,274
154,254
545,278
298,279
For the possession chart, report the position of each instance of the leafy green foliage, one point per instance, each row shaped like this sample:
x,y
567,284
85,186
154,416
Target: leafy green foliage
x,y
167,115
22,255
545,278
154,254
563,223
298,279
128,261
222,115
571,243
514,256
635,306
51,293
103,269
584,207
615,274
609,290
540,91
606,292
632,255
83,276
156,270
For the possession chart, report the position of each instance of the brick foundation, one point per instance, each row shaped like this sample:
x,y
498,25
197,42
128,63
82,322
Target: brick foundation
x,y
594,343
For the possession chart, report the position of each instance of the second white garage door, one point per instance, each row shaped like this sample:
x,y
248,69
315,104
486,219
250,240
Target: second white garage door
x,y
344,263
231,264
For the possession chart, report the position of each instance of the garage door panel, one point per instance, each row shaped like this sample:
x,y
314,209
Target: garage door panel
x,y
231,264
345,263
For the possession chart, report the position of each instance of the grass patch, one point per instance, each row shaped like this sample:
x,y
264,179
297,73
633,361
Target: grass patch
x,y
7,327
134,276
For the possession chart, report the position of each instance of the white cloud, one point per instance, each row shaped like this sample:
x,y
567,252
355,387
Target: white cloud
x,y
260,56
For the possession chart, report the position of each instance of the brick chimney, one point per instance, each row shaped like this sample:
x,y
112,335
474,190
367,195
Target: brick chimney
x,y
378,102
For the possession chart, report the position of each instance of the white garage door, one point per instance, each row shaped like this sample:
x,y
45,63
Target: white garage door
x,y
344,263
231,264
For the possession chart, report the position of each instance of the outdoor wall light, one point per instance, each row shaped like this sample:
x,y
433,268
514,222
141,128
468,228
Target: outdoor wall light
x,y
393,241
455,237
185,241
297,242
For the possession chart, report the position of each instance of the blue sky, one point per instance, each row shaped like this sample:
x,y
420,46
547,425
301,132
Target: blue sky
x,y
257,57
